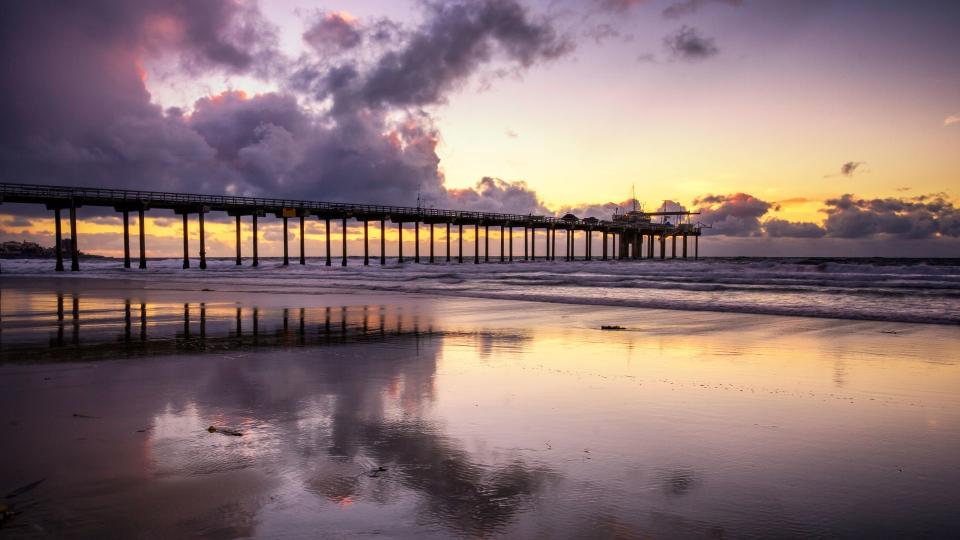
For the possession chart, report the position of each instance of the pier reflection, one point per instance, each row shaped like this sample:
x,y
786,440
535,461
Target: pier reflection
x,y
65,326
324,423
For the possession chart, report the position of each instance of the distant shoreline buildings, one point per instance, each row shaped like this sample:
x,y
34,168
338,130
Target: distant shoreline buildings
x,y
31,250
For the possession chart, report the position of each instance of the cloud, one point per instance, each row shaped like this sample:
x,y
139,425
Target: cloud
x,y
598,210
914,218
736,214
780,228
457,39
951,120
688,44
619,5
333,32
350,121
688,7
496,195
848,168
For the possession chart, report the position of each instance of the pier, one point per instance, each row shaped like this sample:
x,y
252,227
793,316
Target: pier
x,y
629,236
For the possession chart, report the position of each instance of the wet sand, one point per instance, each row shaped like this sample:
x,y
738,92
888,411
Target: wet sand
x,y
488,418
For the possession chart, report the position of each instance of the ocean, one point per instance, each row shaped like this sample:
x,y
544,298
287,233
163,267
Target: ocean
x,y
893,290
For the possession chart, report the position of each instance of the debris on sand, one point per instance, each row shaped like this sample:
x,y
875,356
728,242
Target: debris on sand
x,y
8,510
612,327
375,473
23,489
206,290
225,431
78,415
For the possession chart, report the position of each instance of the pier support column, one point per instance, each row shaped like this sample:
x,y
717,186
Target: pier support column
x,y
74,248
589,244
663,246
343,235
604,250
366,247
431,243
126,239
476,243
696,247
186,243
238,240
503,255
533,243
673,249
416,242
383,242
486,243
526,241
203,246
59,239
684,246
511,243
256,252
326,234
448,241
650,246
400,242
566,255
286,243
553,244
460,243
303,241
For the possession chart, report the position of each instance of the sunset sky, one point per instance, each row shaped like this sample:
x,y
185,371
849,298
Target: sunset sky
x,y
798,128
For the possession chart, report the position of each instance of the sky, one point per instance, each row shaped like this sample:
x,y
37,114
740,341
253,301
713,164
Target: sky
x,y
796,128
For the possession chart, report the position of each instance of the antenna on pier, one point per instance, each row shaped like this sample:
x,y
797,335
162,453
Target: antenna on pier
x,y
418,196
633,196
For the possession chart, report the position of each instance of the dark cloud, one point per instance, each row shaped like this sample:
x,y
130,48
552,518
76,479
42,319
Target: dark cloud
x,y
914,218
349,123
333,32
600,210
458,38
688,44
496,195
850,167
688,7
781,228
737,214
619,5
601,32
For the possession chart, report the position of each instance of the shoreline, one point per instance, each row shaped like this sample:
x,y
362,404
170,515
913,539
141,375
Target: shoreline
x,y
321,296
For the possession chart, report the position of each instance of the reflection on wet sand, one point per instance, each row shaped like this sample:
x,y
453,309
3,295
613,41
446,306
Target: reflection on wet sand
x,y
414,419
347,426
94,328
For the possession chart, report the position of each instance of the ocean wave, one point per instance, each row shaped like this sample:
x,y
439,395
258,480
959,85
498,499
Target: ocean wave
x,y
925,291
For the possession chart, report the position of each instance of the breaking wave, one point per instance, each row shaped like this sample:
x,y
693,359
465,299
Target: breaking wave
x,y
904,290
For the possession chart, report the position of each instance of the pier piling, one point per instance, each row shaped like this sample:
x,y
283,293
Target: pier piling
x,y
416,242
186,243
238,240
126,239
203,247
343,234
59,238
326,235
366,246
256,253
303,244
286,247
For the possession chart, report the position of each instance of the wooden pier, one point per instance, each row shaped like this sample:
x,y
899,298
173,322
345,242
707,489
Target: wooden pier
x,y
620,238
